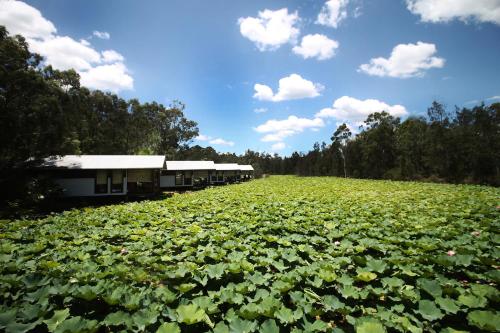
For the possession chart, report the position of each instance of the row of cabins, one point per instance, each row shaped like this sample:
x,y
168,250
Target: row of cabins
x,y
115,175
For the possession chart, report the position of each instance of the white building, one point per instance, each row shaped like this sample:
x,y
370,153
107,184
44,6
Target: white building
x,y
246,172
105,175
226,173
186,174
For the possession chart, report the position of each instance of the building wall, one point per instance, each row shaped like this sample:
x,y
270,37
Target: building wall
x,y
85,187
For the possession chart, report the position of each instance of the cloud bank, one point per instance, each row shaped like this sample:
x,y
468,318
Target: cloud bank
x,y
438,11
105,71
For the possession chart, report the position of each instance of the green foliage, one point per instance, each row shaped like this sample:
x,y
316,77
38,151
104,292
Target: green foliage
x,y
486,320
278,254
190,314
169,328
462,147
369,325
57,319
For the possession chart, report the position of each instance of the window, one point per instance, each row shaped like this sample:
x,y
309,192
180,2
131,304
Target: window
x,y
117,181
140,181
101,181
188,178
179,177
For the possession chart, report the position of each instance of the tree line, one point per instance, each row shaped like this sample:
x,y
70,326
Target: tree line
x,y
456,147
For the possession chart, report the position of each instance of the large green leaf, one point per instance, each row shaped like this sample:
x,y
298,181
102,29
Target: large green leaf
x,y
376,265
429,310
56,320
472,301
7,317
447,304
366,276
190,314
269,326
485,320
369,325
76,325
432,287
242,326
168,328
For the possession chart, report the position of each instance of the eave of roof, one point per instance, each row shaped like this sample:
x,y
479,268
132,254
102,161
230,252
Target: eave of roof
x,y
189,165
246,167
98,162
227,167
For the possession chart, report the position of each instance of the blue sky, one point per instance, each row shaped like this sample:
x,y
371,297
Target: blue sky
x,y
333,59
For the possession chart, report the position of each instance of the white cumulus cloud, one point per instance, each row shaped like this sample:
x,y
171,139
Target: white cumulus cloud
x,y
112,77
270,29
278,146
105,71
112,56
202,137
222,142
332,13
354,111
290,87
22,19
214,141
278,130
63,52
406,60
464,10
316,46
101,34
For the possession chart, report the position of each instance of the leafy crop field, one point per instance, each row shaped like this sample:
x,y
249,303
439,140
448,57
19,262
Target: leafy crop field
x,y
273,255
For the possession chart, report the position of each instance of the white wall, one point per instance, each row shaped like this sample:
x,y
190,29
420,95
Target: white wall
x,y
84,187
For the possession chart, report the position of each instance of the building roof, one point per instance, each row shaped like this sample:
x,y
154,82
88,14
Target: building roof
x,y
190,165
104,162
246,167
227,166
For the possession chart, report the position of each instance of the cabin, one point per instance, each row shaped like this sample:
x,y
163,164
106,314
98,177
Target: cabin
x,y
104,175
186,174
246,172
226,173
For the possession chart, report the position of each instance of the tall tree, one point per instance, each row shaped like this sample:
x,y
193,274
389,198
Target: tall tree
x,y
340,140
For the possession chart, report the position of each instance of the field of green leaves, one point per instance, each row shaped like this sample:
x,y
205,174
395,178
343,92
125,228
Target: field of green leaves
x,y
281,254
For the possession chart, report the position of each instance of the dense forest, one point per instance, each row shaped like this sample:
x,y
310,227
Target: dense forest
x,y
458,147
46,112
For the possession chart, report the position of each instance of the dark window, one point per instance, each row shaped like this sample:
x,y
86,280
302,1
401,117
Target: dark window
x,y
101,181
188,178
179,179
117,181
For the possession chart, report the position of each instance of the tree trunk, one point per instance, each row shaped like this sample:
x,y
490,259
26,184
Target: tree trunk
x,y
343,161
